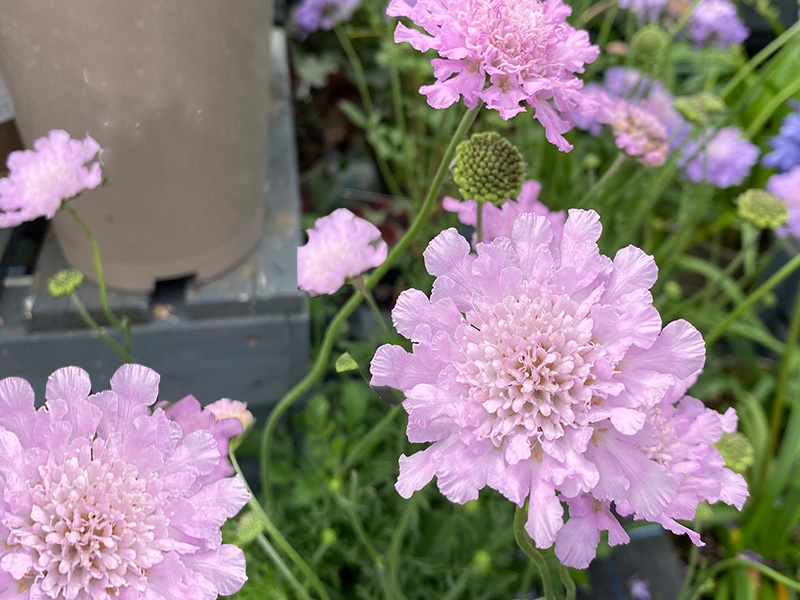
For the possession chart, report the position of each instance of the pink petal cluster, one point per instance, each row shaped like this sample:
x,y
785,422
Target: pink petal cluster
x,y
101,497
639,133
225,408
340,246
40,179
190,415
540,368
499,221
507,53
786,186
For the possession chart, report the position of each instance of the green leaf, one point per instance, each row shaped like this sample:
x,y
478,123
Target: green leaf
x,y
345,363
353,112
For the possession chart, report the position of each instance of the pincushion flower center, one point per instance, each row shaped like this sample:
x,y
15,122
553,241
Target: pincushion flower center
x,y
95,527
528,363
42,177
507,33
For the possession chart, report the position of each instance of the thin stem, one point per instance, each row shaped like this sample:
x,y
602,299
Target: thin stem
x,y
743,562
276,559
393,556
694,555
601,183
566,579
276,535
94,326
397,88
759,58
361,533
784,374
592,12
754,297
774,102
366,101
479,223
529,549
321,363
457,591
98,266
358,283
367,440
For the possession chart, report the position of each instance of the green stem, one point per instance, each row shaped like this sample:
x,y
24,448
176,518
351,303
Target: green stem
x,y
276,535
361,533
784,374
276,559
397,88
529,549
754,297
479,223
321,363
366,101
601,183
396,545
94,326
457,591
774,102
365,442
358,283
743,562
694,555
566,579
759,58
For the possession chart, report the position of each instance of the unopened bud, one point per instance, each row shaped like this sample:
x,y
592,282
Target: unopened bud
x,y
488,168
648,44
64,282
762,209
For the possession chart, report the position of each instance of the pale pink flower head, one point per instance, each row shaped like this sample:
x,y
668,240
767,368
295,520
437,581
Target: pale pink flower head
x,y
191,416
225,408
507,53
639,133
499,221
101,497
340,246
540,368
39,180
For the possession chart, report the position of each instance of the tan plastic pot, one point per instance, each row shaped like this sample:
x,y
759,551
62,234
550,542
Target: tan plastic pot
x,y
176,92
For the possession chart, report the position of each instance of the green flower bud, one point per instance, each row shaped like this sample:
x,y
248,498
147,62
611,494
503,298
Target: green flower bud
x,y
736,450
762,208
328,537
591,161
697,107
335,485
648,44
482,562
673,290
64,282
488,168
248,527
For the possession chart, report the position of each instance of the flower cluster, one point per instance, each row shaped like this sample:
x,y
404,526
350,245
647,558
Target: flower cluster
x,y
540,368
101,497
313,15
785,146
57,169
340,246
786,186
499,221
723,158
505,53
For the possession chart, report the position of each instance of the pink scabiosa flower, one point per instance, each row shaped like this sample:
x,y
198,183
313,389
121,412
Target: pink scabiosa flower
x,y
540,368
499,221
723,158
340,246
39,180
225,408
639,133
786,187
504,52
102,497
190,415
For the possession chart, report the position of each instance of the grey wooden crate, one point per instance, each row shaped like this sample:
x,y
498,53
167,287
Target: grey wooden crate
x,y
244,335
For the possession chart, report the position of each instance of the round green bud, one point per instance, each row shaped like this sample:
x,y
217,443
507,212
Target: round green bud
x,y
248,526
697,107
328,537
335,485
736,450
64,282
488,168
762,209
482,562
673,290
591,161
648,44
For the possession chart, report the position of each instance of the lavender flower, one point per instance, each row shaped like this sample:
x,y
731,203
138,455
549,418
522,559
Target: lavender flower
x,y
540,368
716,22
313,15
723,158
100,497
786,186
340,246
507,53
41,179
786,145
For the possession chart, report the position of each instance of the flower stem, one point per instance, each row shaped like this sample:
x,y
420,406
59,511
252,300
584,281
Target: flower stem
x,y
393,556
123,325
358,283
566,579
754,297
276,559
320,365
365,442
603,181
276,535
529,549
479,222
743,562
94,326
